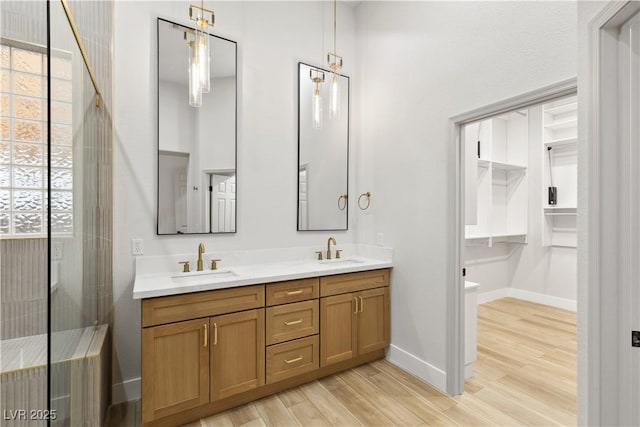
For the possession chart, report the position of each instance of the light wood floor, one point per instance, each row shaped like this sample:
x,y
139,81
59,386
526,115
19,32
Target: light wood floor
x,y
525,375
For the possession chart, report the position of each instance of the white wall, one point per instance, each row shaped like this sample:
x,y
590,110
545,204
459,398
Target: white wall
x,y
216,126
272,37
178,119
419,64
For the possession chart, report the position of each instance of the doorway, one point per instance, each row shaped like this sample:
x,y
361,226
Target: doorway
x,y
511,171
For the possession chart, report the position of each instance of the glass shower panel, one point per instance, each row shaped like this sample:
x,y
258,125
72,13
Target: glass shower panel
x,y
72,202
23,234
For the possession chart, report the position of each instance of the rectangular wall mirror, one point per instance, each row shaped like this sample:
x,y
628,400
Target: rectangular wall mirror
x,y
323,150
196,145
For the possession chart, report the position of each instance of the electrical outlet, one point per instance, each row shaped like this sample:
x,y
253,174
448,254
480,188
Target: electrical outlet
x,y
380,239
56,249
137,247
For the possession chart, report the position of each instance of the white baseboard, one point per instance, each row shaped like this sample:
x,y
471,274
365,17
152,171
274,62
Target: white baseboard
x,y
125,391
418,367
557,302
549,300
485,297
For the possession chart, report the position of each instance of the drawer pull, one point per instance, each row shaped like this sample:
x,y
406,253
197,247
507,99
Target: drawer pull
x,y
293,322
206,334
215,334
298,292
297,359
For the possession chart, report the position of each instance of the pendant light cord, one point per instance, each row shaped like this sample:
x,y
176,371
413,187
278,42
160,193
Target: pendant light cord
x,y
335,18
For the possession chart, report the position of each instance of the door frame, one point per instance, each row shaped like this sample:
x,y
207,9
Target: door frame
x,y
455,288
601,305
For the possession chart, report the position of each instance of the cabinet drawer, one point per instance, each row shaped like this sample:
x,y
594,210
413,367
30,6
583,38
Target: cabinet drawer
x,y
353,282
157,311
290,321
292,358
292,291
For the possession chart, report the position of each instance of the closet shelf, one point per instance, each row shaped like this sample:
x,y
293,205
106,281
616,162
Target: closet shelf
x,y
564,124
508,167
561,142
561,109
567,209
482,163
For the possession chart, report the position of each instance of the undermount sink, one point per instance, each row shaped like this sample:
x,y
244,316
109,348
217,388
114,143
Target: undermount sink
x,y
341,261
202,276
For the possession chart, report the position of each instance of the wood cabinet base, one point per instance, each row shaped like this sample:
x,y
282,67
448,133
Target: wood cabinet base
x,y
266,390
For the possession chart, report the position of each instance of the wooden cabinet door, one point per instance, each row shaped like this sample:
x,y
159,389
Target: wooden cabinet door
x,y
373,320
237,353
175,368
338,339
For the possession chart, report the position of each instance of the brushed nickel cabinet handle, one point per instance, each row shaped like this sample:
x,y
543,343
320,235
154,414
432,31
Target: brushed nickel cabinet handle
x,y
297,359
361,305
206,334
293,322
356,300
298,292
215,334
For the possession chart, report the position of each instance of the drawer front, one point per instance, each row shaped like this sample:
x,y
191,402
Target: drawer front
x,y
292,358
353,282
291,321
175,308
292,291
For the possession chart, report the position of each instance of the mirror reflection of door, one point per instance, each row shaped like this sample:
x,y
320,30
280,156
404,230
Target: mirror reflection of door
x,y
303,196
174,199
222,202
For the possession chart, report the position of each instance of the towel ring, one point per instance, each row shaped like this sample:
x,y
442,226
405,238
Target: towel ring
x,y
343,205
368,196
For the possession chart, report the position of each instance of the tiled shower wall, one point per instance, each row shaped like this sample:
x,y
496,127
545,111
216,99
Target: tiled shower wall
x,y
95,25
23,290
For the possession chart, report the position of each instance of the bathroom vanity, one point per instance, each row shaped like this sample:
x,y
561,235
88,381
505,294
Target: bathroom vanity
x,y
257,330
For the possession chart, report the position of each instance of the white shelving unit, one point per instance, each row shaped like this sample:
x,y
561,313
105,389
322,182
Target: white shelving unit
x,y
559,151
501,184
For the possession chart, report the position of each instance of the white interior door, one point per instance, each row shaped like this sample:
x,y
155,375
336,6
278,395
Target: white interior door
x,y
629,217
180,190
223,203
303,206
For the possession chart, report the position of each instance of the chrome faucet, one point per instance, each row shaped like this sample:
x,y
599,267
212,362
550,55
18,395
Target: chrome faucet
x,y
331,239
200,252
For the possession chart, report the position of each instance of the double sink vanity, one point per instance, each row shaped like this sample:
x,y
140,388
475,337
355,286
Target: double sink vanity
x,y
230,327
215,339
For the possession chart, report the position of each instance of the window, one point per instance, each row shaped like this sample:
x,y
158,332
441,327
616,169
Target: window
x,y
23,142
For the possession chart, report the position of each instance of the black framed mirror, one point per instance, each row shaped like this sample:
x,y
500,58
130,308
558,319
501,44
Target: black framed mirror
x,y
323,149
197,146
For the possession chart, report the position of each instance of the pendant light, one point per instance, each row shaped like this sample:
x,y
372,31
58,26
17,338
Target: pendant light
x,y
199,53
317,77
335,64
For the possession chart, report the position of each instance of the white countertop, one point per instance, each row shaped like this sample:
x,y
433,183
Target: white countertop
x,y
155,284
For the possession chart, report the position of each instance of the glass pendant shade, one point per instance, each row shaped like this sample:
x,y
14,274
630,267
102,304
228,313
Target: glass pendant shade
x,y
195,92
204,60
334,102
316,109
